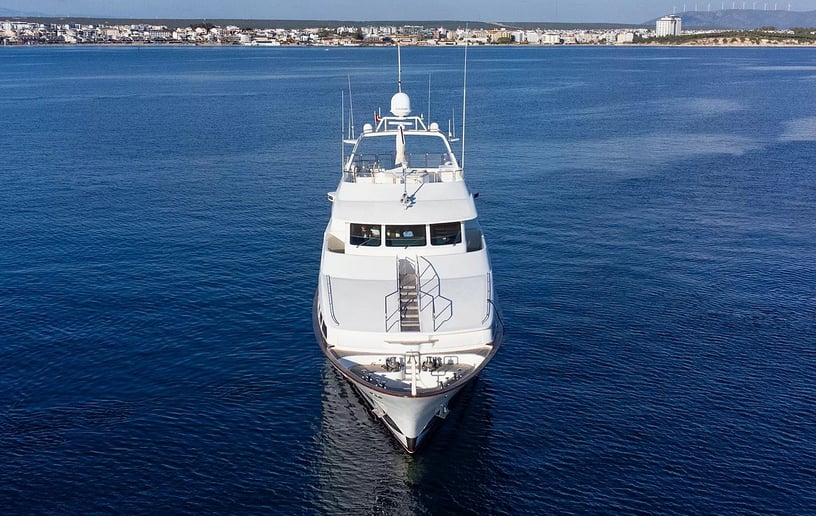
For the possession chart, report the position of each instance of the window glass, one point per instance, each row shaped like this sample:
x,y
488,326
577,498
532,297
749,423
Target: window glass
x,y
366,234
405,236
473,235
421,150
446,234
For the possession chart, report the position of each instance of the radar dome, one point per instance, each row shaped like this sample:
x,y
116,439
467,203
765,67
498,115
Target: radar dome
x,y
400,104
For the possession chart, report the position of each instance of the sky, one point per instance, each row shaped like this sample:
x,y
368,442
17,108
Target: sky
x,y
586,11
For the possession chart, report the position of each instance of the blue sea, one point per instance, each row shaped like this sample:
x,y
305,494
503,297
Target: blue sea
x,y
651,217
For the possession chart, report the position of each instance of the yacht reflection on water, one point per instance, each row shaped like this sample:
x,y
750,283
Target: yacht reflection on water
x,y
361,472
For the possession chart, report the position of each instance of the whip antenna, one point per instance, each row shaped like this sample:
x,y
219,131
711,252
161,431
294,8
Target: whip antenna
x,y
429,98
464,101
351,110
399,69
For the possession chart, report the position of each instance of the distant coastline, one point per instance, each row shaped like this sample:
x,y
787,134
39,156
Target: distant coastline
x,y
85,31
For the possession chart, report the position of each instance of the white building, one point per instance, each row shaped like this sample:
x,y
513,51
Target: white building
x,y
668,26
550,39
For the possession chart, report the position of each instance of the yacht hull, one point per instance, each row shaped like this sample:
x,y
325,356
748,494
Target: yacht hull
x,y
409,418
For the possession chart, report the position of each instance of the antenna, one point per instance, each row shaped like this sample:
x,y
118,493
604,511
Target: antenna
x,y
429,98
342,128
464,102
351,110
399,69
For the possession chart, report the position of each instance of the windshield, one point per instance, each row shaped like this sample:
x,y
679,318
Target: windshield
x,y
421,151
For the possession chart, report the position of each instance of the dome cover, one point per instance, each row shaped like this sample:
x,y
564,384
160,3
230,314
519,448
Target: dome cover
x,y
401,104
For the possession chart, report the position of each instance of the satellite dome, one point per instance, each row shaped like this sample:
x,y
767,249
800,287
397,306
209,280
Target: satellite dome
x,y
400,104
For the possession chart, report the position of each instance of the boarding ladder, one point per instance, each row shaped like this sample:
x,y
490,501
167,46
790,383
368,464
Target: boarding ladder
x,y
416,293
408,295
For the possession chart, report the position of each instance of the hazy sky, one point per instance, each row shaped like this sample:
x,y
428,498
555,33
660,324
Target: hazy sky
x,y
618,11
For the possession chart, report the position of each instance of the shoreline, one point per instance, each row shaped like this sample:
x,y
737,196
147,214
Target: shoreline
x,y
494,45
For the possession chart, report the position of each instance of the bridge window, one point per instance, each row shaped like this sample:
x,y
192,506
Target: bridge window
x,y
366,234
405,236
446,234
473,235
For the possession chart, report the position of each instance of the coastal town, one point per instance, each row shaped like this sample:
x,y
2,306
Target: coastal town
x,y
667,30
34,33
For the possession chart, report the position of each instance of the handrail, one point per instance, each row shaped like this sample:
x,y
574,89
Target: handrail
x,y
387,122
434,292
389,317
434,277
448,308
489,297
365,165
331,300
496,311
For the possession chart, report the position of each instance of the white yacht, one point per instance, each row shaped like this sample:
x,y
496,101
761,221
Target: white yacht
x,y
405,307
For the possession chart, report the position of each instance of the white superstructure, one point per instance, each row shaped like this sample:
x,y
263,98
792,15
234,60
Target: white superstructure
x,y
405,307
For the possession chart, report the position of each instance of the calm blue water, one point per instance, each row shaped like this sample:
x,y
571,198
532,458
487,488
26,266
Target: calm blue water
x,y
650,214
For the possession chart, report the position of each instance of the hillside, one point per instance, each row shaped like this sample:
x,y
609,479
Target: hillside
x,y
745,19
10,12
255,23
